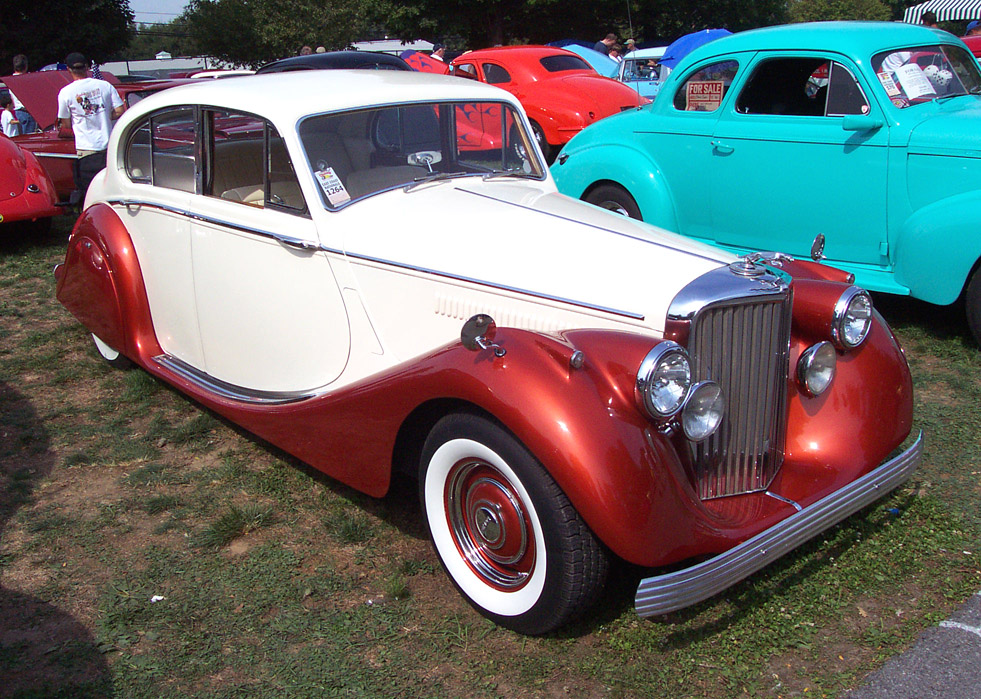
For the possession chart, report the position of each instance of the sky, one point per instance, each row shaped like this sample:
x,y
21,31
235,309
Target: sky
x,y
151,11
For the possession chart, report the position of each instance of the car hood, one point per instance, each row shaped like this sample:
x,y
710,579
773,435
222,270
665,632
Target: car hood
x,y
521,237
13,169
953,126
39,92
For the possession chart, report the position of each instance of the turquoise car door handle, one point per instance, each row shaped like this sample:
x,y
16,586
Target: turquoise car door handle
x,y
720,147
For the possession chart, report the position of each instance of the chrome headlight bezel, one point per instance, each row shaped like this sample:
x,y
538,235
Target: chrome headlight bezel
x,y
663,380
703,411
852,318
813,360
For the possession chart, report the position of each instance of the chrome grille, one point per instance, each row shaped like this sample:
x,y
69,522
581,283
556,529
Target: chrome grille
x,y
744,345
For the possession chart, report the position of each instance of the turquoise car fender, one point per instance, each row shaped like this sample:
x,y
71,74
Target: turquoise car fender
x,y
921,263
580,170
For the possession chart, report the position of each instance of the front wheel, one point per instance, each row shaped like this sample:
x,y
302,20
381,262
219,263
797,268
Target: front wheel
x,y
507,536
614,198
972,300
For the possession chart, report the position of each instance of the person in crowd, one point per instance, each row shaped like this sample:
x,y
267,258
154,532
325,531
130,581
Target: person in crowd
x,y
628,46
973,28
321,49
438,52
27,122
8,119
604,45
929,19
306,51
87,106
616,53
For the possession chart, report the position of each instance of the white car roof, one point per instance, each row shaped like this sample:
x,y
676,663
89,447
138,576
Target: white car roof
x,y
287,97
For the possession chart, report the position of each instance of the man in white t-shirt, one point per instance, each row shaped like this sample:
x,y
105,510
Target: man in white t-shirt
x,y
88,106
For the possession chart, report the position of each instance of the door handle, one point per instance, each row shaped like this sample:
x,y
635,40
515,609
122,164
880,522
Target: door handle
x,y
296,242
720,147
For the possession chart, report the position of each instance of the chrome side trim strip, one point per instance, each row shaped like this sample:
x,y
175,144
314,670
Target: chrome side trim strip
x,y
305,245
63,156
661,594
227,390
781,498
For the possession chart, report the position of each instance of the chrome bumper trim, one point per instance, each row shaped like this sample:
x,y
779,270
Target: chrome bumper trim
x,y
682,588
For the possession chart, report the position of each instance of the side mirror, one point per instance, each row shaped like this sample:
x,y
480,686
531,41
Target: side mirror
x,y
860,122
478,334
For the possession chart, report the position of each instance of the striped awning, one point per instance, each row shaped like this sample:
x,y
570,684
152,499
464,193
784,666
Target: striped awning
x,y
946,10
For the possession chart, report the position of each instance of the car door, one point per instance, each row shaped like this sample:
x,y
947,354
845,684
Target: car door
x,y
801,151
270,313
679,143
160,162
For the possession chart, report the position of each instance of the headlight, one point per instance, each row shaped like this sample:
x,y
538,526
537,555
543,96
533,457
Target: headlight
x,y
703,411
852,319
816,368
663,380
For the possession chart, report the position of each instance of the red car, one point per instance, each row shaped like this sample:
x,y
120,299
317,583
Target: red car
x,y
39,94
560,92
973,43
26,191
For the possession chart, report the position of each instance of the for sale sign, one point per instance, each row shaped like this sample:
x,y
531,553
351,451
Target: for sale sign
x,y
705,95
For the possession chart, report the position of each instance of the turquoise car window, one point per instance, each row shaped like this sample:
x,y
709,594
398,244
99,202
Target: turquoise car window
x,y
495,74
801,86
924,73
704,90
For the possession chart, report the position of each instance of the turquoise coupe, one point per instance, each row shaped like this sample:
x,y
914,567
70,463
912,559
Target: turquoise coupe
x,y
861,137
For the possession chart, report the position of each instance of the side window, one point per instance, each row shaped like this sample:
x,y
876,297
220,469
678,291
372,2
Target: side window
x,y
495,74
173,136
249,162
138,153
845,95
802,87
705,89
465,70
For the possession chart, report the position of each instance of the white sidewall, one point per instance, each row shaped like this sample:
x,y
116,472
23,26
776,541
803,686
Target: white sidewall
x,y
107,352
494,601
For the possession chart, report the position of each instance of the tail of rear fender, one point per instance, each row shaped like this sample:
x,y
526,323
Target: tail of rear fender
x,y
101,283
584,167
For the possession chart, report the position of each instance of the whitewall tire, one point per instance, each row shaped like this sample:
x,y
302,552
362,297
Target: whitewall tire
x,y
112,356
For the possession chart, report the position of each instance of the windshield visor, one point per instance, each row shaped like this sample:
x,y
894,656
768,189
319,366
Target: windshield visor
x,y
925,73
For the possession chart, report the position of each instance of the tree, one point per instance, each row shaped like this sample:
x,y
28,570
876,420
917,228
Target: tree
x,y
48,30
817,10
253,32
150,39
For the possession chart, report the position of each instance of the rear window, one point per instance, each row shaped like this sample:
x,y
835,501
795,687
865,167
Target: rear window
x,y
557,64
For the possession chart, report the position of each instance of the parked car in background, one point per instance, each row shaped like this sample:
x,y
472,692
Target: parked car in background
x,y
56,151
641,71
864,135
26,192
973,43
336,60
560,92
254,254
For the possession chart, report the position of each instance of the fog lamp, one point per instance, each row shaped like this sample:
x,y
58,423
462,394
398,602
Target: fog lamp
x,y
703,411
663,380
816,368
852,318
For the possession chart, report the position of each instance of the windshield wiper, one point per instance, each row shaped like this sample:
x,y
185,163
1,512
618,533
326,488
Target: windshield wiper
x,y
432,177
508,173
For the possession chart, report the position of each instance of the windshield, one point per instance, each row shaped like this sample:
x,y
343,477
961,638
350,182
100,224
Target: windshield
x,y
924,73
356,154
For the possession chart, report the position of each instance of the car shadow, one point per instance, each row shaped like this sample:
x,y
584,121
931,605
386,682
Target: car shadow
x,y
44,651
938,322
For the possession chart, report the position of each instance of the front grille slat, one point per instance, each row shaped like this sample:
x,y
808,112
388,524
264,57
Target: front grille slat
x,y
744,345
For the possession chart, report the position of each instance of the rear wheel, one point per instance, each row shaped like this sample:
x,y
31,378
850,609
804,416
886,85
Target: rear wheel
x,y
972,302
614,198
507,536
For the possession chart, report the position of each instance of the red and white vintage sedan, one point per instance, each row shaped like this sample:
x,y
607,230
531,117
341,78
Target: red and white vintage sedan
x,y
332,267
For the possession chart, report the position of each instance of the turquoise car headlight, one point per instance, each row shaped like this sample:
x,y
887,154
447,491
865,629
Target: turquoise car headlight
x,y
852,318
663,380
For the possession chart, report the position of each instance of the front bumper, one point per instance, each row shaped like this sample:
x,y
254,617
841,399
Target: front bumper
x,y
682,588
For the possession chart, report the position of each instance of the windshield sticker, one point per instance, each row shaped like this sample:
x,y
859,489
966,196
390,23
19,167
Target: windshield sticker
x,y
914,82
889,84
332,186
705,95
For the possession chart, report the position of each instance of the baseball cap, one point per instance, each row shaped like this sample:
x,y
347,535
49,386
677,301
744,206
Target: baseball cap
x,y
973,24
76,60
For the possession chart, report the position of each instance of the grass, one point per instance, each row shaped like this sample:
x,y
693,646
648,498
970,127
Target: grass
x,y
149,549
